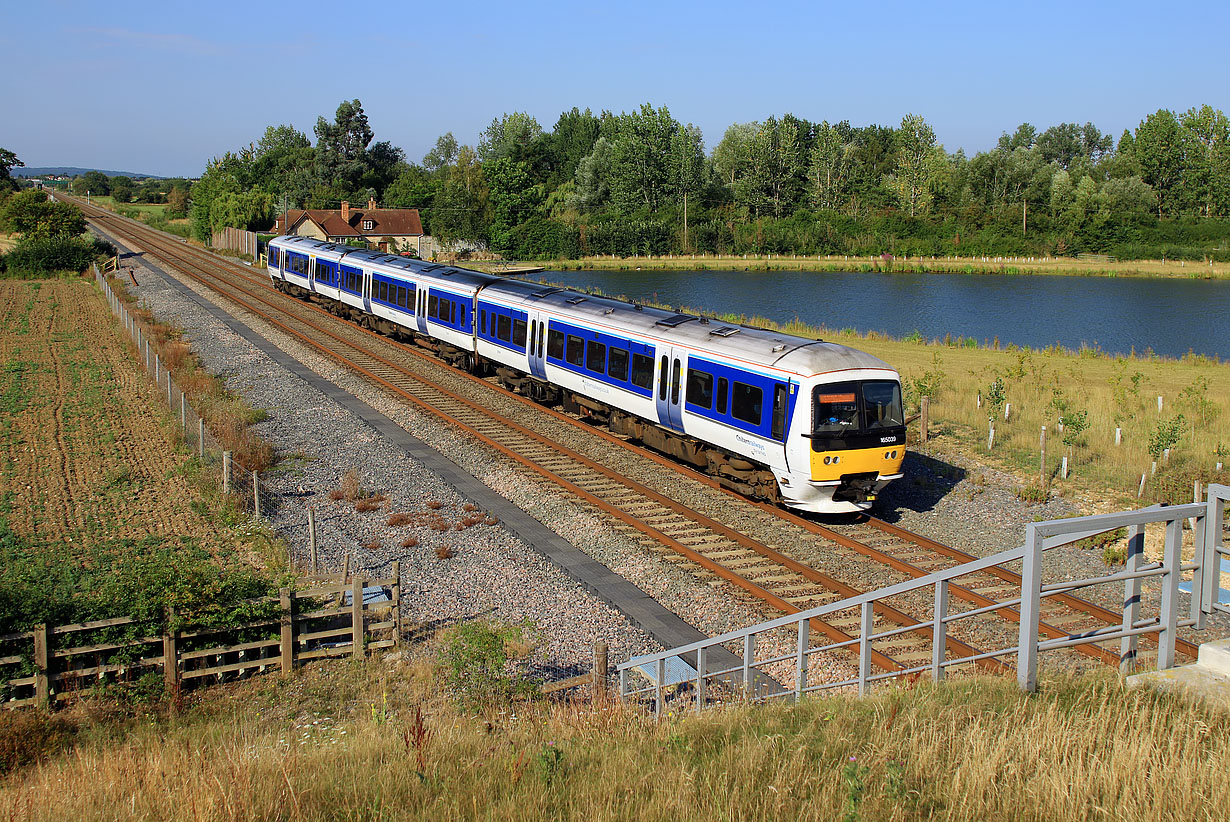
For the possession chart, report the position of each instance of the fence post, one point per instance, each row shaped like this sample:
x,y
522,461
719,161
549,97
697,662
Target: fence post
x,y
1042,457
1031,603
170,396
1169,610
939,633
1131,598
200,435
312,541
356,615
749,649
600,669
800,662
226,472
170,655
42,660
256,495
396,569
700,678
183,413
864,647
288,632
926,417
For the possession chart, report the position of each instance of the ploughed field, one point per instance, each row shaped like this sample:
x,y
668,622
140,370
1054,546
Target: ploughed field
x,y
87,455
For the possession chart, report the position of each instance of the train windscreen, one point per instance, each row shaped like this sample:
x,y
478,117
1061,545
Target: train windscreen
x,y
857,407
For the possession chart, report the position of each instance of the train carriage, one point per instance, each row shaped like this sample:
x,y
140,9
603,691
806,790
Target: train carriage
x,y
815,425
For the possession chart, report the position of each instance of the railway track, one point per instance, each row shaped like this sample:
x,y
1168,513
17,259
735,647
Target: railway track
x,y
767,573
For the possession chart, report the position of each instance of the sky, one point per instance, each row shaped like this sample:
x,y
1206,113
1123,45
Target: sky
x,y
160,88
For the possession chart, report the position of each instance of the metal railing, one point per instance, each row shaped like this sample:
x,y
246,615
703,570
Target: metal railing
x,y
784,648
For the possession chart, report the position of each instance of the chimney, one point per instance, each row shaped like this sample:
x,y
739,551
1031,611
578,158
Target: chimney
x,y
345,211
371,203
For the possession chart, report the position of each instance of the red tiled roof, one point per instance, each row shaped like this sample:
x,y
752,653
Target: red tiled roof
x,y
386,222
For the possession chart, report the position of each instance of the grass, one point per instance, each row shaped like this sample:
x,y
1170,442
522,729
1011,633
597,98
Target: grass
x,y
1063,266
379,740
227,415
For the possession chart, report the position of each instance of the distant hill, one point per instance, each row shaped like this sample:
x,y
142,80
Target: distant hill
x,y
73,171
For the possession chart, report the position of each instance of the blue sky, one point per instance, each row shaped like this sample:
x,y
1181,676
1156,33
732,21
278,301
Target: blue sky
x,y
161,87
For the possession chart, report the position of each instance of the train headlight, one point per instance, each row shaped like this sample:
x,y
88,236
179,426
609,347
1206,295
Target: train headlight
x,y
890,455
828,460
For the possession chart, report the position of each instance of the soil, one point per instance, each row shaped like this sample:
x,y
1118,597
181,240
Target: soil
x,y
87,455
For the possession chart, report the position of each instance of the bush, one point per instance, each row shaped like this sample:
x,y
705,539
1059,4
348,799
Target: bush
x,y
475,657
40,256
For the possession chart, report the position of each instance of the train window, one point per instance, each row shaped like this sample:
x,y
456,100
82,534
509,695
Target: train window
x,y
662,380
595,357
555,344
836,407
575,353
533,335
675,384
433,306
778,429
541,330
700,389
382,293
723,395
482,321
882,404
617,365
401,296
503,327
747,403
519,333
642,371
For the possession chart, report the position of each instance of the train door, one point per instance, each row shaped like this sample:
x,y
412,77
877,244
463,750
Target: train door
x,y
536,347
311,273
365,289
420,310
668,393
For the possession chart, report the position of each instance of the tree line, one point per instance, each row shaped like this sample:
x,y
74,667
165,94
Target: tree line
x,y
641,182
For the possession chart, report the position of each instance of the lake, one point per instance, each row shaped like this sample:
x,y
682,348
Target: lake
x,y
1117,315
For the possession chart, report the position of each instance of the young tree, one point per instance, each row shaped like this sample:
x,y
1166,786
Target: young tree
x,y
731,154
442,155
640,174
829,166
1206,137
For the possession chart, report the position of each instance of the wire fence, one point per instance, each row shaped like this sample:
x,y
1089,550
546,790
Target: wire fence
x,y
217,464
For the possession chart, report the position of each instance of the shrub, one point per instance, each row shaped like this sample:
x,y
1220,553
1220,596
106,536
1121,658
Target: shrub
x,y
40,256
475,657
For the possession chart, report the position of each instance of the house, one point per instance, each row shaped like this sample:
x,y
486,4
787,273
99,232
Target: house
x,y
390,229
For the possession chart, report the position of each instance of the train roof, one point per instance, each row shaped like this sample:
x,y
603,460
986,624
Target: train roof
x,y
759,346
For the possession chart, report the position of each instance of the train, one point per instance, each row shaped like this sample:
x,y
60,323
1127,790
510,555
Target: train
x,y
812,425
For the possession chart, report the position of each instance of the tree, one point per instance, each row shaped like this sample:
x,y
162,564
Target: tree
x,y
828,166
460,210
34,216
776,163
97,183
8,161
640,147
1068,143
1159,152
731,154
280,140
572,140
341,146
916,163
508,136
592,179
443,154
1206,137
177,202
511,197
121,189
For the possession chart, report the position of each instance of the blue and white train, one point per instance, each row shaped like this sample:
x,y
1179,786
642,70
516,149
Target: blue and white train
x,y
814,425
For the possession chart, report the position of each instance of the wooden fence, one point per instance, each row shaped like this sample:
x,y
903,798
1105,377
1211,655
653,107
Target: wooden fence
x,y
235,239
332,618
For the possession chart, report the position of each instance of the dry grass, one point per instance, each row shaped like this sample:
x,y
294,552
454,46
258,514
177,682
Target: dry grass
x,y
227,415
444,552
343,741
372,503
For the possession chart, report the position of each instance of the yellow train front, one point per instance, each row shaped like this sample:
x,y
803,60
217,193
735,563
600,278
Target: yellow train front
x,y
849,440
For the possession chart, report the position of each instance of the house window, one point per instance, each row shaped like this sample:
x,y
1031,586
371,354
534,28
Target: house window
x,y
368,225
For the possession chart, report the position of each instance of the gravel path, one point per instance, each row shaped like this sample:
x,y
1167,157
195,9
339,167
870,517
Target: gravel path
x,y
493,573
